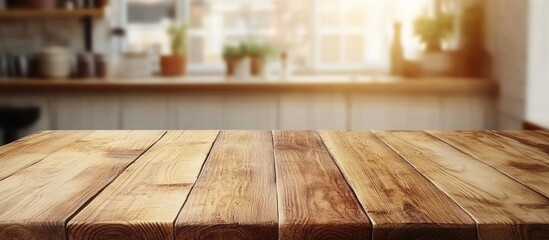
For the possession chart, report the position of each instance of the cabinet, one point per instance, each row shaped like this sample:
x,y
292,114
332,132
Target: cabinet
x,y
268,110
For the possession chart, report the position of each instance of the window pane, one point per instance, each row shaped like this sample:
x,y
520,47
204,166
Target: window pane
x,y
330,49
330,16
203,50
148,21
354,46
283,24
354,18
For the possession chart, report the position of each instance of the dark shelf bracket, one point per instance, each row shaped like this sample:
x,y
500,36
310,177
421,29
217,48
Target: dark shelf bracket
x,y
88,33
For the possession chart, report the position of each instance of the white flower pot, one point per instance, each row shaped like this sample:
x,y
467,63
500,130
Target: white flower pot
x,y
436,63
243,69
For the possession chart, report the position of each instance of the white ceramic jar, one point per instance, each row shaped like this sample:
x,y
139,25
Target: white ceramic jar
x,y
55,62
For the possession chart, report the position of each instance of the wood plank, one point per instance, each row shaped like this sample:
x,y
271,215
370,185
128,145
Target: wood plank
x,y
36,202
314,200
235,194
401,203
502,207
545,132
29,150
523,163
143,202
531,138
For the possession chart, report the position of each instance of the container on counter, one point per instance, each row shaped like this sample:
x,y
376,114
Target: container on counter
x,y
14,66
34,66
69,5
89,3
21,64
135,65
79,4
55,62
4,66
85,65
100,66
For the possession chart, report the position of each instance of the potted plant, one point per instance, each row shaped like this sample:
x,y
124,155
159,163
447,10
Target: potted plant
x,y
175,63
258,56
432,32
232,56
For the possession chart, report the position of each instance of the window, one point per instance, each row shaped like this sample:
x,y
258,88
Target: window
x,y
147,23
318,35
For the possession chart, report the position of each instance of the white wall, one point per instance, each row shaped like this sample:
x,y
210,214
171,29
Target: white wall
x,y
507,41
537,101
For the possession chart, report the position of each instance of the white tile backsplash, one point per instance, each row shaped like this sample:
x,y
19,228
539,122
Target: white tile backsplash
x,y
25,36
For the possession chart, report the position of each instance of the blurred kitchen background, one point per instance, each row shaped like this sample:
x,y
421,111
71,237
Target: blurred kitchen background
x,y
273,64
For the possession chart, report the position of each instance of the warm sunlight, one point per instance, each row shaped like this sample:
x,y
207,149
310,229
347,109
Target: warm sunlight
x,y
274,119
328,35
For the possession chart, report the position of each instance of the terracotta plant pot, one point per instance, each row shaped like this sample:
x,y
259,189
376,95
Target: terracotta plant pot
x,y
173,65
32,4
232,64
256,66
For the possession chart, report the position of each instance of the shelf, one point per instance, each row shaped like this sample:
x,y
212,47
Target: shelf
x,y
296,83
52,13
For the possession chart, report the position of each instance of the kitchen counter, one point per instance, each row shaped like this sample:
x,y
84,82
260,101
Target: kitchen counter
x,y
299,83
272,185
303,102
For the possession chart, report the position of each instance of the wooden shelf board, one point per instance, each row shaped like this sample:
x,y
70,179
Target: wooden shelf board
x,y
53,13
428,85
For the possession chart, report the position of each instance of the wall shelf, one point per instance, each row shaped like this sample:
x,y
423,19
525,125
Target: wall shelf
x,y
87,15
52,13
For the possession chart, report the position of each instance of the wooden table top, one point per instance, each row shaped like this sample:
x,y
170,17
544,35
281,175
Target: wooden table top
x,y
276,185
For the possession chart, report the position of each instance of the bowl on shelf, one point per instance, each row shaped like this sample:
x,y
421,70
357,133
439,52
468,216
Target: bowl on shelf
x,y
55,62
31,4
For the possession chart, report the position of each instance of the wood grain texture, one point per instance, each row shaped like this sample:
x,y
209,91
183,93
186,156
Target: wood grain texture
x,y
401,203
235,194
531,138
29,150
36,202
523,163
546,132
143,202
502,207
314,200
